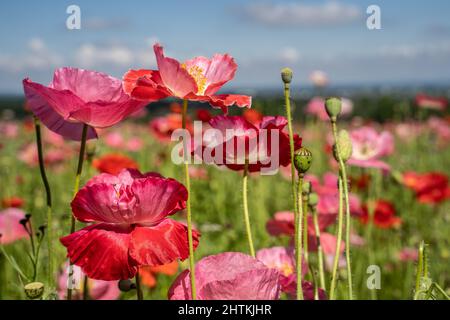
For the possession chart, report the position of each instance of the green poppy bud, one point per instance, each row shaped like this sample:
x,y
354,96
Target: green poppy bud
x,y
34,290
333,107
345,146
302,160
286,75
306,186
313,199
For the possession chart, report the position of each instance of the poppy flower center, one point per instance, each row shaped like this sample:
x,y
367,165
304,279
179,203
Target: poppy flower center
x,y
198,74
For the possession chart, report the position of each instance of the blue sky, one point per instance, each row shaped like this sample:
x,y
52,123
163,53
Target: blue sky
x,y
413,45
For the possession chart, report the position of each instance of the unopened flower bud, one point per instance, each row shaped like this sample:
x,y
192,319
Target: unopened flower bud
x,y
34,290
302,160
126,285
286,75
333,107
345,146
306,186
313,199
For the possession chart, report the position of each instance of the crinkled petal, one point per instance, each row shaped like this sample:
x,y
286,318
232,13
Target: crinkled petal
x,y
53,108
101,251
174,76
161,244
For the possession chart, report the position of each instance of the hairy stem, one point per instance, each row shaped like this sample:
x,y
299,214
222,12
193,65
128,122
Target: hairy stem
x,y
291,142
338,244
298,238
37,126
245,205
188,207
75,191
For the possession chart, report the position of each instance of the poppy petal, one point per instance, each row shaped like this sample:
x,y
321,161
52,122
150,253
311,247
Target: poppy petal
x,y
101,251
161,244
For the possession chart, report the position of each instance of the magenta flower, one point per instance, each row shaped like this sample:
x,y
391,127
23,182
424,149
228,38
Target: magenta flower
x,y
236,131
197,79
10,228
76,97
369,146
228,276
131,229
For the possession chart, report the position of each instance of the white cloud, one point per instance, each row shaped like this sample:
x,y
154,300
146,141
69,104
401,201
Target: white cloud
x,y
37,56
298,14
289,55
90,55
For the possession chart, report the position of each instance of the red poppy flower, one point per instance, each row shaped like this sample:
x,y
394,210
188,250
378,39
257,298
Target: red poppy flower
x,y
197,79
204,115
148,274
113,163
163,127
253,116
12,202
384,215
249,136
430,187
131,227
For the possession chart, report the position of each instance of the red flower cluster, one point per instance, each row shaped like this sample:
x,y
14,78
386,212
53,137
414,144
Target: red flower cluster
x,y
429,187
383,216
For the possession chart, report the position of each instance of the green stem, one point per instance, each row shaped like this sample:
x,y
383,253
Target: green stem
x,y
188,207
291,141
298,238
245,205
305,227
338,244
139,294
419,272
319,248
343,172
75,191
37,126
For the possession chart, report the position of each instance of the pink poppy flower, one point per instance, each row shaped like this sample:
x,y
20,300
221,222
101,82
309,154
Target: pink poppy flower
x,y
10,228
369,146
76,97
131,226
197,79
228,276
319,78
283,260
134,144
114,140
407,254
98,289
429,102
249,137
9,129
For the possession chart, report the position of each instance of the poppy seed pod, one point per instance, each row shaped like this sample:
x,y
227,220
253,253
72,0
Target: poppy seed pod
x,y
313,199
34,290
286,75
302,160
333,106
345,146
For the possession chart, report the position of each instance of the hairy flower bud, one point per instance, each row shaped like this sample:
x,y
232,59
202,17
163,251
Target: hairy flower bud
x,y
302,160
286,75
333,107
34,290
345,146
306,186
